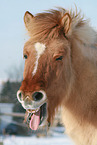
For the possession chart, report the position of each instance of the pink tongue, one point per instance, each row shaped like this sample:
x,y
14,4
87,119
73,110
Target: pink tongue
x,y
35,120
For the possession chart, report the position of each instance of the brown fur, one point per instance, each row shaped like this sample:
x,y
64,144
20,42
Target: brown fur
x,y
71,82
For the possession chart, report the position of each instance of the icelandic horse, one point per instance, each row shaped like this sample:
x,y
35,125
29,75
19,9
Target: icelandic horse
x,y
61,70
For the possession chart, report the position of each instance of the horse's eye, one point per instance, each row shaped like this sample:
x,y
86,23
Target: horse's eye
x,y
59,58
25,56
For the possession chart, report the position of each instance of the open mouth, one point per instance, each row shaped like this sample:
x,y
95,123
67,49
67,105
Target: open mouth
x,y
37,117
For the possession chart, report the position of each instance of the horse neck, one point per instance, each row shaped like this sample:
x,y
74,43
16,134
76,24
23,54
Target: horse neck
x,y
83,97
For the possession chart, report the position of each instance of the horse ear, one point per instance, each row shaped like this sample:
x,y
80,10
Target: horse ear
x,y
66,22
28,20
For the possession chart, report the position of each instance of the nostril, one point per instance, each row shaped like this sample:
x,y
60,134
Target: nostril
x,y
37,96
20,95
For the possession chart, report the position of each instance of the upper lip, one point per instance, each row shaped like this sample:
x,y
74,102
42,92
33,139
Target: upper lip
x,y
34,105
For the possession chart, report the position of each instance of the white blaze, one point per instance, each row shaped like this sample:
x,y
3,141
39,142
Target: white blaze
x,y
40,48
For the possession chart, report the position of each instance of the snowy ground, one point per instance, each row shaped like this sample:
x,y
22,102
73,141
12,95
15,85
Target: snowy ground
x,y
55,140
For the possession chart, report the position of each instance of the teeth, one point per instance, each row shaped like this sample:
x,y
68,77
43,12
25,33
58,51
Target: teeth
x,y
32,110
37,109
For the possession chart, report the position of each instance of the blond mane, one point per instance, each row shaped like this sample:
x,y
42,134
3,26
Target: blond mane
x,y
47,26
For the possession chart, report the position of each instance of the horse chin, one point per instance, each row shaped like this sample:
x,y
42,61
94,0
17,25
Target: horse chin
x,y
37,117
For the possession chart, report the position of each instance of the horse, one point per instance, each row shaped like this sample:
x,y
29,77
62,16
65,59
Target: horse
x,y
61,70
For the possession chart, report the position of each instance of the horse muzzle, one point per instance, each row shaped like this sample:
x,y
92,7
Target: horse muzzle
x,y
36,106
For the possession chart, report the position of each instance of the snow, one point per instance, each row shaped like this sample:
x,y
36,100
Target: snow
x,y
32,140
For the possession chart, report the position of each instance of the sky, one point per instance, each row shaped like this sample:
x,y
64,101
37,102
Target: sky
x,y
13,34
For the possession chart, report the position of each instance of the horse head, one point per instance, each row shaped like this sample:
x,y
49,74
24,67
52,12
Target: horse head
x,y
48,71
